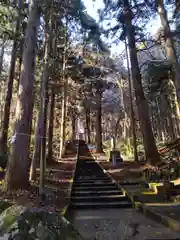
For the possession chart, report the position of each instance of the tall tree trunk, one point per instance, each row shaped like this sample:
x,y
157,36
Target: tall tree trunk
x,y
20,61
42,116
132,113
63,117
52,95
40,129
65,110
169,116
2,84
2,56
153,120
174,106
45,96
65,92
17,174
7,105
93,130
36,156
87,112
73,119
163,114
99,148
115,131
169,44
51,125
151,151
21,45
160,125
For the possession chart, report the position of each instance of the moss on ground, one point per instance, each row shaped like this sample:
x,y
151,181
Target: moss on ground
x,y
4,205
20,222
9,216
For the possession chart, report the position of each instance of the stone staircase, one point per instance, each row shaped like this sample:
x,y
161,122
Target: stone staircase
x,y
92,188
99,209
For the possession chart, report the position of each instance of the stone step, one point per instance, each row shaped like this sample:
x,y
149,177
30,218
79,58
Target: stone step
x,y
95,184
90,176
92,164
102,198
95,168
99,205
88,173
96,193
87,162
85,188
87,178
92,181
139,185
96,171
130,183
175,191
162,238
87,167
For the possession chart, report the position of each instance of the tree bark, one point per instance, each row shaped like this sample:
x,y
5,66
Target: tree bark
x,y
63,117
40,129
151,151
132,114
87,112
51,125
42,116
20,61
7,105
169,45
37,153
169,116
17,174
99,148
163,114
2,57
73,119
160,124
174,106
45,96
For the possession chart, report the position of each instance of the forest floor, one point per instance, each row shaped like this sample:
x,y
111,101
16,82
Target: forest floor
x,y
124,170
58,180
58,183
